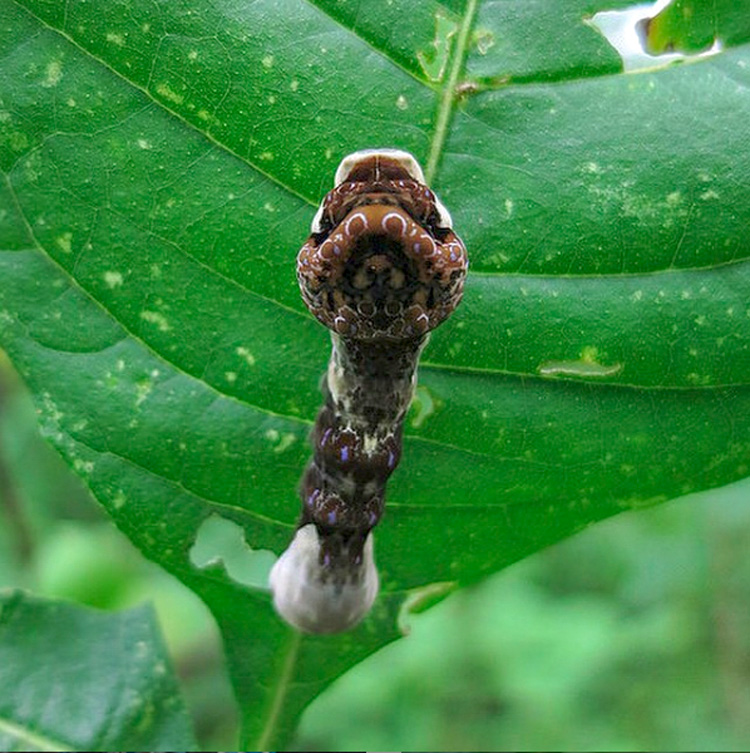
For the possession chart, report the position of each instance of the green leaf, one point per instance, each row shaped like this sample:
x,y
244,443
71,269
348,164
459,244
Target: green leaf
x,y
73,678
695,25
519,41
161,165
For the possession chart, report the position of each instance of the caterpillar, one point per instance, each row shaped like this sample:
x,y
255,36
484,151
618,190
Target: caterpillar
x,y
381,269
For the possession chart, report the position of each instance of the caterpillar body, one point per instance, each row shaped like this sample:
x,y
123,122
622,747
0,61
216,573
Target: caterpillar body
x,y
381,269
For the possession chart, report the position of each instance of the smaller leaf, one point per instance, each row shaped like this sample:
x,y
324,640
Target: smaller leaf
x,y
73,678
692,26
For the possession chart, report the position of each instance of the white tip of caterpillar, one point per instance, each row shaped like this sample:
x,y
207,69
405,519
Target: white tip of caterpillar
x,y
402,158
306,596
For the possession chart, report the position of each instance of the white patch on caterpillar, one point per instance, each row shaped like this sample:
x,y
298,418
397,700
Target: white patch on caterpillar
x,y
404,159
305,595
316,226
370,444
336,376
445,220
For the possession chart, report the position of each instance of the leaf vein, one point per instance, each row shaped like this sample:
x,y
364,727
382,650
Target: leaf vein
x,y
378,51
161,104
135,338
34,740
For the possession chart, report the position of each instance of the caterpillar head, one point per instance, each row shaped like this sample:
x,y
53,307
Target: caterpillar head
x,y
382,260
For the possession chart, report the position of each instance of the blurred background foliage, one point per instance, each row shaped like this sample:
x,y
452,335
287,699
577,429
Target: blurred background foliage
x,y
632,635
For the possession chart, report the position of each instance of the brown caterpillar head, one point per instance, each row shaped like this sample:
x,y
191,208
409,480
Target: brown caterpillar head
x,y
382,260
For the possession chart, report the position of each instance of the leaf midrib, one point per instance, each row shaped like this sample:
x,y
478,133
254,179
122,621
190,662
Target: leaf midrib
x,y
448,96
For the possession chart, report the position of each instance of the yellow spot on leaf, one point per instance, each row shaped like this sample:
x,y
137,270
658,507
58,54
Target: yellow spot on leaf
x,y
246,355
142,390
154,317
64,242
53,73
423,406
113,279
285,442
483,39
165,91
84,467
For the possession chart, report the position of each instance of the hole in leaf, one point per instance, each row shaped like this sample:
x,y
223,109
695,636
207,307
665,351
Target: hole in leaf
x,y
434,59
221,542
632,33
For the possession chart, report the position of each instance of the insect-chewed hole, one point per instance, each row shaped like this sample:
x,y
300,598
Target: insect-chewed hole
x,y
630,32
222,542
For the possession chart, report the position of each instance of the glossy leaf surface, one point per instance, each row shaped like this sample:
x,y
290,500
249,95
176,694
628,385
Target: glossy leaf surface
x,y
72,678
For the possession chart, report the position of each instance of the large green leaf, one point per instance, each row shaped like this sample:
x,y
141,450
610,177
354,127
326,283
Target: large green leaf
x,y
72,678
162,162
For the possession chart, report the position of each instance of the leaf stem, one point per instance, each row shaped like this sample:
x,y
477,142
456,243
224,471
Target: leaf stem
x,y
279,696
445,109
